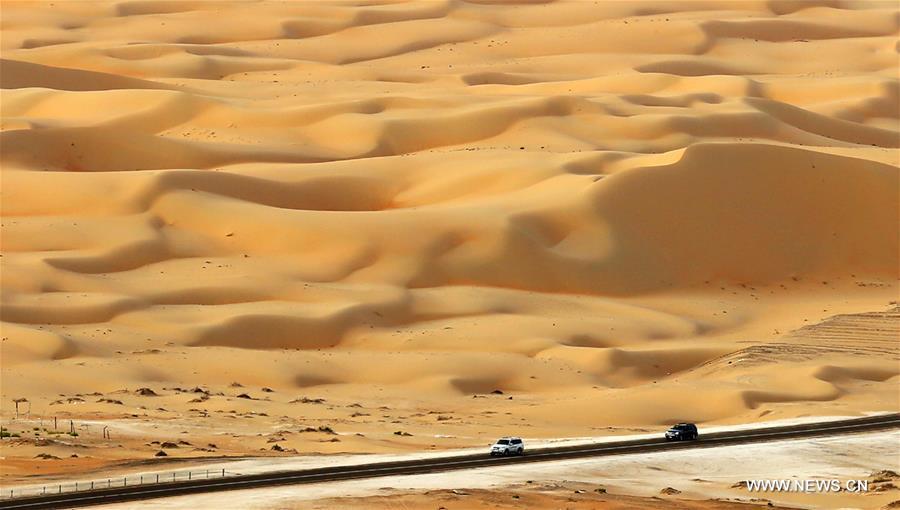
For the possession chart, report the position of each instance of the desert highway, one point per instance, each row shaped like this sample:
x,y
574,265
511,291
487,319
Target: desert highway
x,y
448,463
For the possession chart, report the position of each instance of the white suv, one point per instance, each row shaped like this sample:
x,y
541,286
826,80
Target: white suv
x,y
508,446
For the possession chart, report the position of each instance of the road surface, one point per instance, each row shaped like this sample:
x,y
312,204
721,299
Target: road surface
x,y
448,463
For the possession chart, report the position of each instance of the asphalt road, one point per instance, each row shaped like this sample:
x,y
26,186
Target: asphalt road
x,y
449,463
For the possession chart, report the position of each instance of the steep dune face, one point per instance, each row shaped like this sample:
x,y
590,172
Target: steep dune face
x,y
753,213
583,203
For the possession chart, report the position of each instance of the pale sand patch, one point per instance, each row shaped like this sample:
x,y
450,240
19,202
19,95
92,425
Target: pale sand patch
x,y
260,465
698,474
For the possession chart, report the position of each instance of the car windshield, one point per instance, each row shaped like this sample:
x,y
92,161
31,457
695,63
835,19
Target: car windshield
x,y
503,441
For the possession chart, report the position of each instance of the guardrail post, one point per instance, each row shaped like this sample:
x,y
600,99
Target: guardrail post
x,y
223,472
125,482
157,477
108,483
76,486
92,485
60,489
189,475
173,477
207,473
142,479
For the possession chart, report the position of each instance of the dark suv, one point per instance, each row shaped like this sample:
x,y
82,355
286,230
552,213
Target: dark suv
x,y
682,432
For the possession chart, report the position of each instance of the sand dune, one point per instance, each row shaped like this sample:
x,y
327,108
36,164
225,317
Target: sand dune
x,y
603,210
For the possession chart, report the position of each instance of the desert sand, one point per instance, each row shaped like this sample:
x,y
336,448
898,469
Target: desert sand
x,y
701,478
363,227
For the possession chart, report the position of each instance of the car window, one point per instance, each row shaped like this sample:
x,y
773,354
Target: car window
x,y
503,441
516,441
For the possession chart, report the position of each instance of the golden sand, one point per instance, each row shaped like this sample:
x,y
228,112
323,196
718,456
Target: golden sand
x,y
618,214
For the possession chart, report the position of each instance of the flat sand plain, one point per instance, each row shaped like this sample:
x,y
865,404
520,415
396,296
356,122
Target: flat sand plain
x,y
395,226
